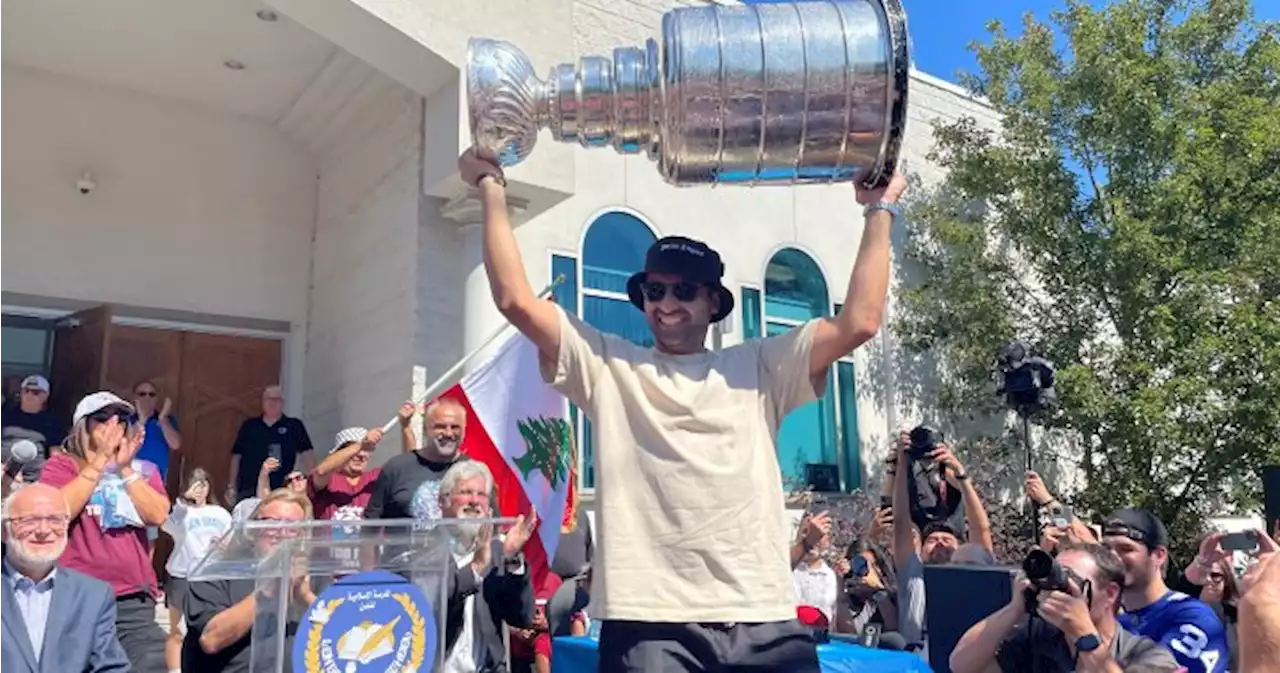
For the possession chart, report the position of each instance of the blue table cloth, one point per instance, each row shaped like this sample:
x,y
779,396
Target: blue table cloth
x,y
579,654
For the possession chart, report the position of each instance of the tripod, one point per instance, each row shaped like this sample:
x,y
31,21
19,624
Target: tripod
x,y
1025,412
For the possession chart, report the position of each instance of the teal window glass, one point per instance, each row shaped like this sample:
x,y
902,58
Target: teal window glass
x,y
795,292
565,294
751,324
612,251
846,392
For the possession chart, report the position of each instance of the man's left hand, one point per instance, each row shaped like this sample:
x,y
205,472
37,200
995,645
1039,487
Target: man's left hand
x,y
890,193
945,458
519,534
1067,611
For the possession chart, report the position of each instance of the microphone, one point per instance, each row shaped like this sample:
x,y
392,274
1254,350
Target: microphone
x,y
21,452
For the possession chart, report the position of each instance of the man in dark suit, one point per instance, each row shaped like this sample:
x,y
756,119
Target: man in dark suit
x,y
56,620
491,589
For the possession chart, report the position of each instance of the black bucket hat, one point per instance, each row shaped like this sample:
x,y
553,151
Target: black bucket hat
x,y
693,261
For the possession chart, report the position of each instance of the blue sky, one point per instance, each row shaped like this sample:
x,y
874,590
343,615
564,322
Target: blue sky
x,y
942,29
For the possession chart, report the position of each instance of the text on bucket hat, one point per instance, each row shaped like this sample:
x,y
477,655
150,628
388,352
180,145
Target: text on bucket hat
x,y
694,261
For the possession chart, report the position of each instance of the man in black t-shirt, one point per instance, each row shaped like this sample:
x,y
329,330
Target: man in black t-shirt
x,y
210,608
409,484
31,420
271,435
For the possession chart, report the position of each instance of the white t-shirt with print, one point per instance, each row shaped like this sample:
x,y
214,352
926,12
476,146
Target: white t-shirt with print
x,y
690,506
816,587
194,529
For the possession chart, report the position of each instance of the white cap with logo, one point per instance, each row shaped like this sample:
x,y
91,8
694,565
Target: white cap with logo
x,y
36,382
95,402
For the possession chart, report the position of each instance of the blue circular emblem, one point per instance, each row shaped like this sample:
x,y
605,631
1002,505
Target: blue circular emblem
x,y
373,621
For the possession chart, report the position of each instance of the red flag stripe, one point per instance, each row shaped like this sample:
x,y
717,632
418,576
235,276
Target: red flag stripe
x,y
512,500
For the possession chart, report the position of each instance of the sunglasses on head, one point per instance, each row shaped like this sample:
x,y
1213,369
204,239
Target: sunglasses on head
x,y
656,292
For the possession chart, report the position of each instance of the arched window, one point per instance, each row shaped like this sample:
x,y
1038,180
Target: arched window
x,y
823,432
612,250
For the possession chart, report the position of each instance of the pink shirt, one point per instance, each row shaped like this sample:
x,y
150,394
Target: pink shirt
x,y
106,541
340,500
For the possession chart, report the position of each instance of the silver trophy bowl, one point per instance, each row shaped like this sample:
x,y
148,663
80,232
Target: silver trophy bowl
x,y
795,93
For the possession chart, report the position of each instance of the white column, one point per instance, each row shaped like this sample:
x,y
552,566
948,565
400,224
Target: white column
x,y
480,317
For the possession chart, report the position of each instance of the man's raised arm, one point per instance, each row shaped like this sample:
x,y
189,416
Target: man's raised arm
x,y
515,298
859,319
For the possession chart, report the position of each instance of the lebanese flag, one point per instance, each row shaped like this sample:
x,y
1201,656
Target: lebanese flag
x,y
519,427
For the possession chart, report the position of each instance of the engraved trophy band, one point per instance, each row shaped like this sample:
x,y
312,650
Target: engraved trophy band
x,y
794,93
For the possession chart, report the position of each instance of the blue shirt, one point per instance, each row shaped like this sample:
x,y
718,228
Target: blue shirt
x,y
33,599
155,448
1185,625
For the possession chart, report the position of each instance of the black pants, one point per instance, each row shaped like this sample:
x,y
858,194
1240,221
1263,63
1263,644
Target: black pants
x,y
769,647
139,634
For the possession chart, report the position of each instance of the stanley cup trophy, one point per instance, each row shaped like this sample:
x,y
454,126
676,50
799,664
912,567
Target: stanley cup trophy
x,y
806,92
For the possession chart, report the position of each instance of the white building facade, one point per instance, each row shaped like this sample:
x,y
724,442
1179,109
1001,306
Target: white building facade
x,y
274,197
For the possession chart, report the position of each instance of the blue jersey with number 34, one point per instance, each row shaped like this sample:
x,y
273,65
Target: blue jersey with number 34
x,y
1185,625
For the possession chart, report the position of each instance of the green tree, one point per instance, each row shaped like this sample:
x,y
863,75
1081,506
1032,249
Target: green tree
x,y
549,447
1124,218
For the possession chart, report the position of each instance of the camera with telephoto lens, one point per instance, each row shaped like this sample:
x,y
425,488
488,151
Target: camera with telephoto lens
x,y
928,499
1045,574
923,439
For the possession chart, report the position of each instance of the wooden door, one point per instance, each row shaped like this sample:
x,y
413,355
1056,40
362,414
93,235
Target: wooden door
x,y
220,386
140,354
81,353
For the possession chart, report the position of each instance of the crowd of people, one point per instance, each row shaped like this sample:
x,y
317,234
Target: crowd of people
x,y
1118,590
696,571
90,512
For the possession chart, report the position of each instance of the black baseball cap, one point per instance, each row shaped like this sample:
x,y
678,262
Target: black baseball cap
x,y
694,261
940,527
1138,525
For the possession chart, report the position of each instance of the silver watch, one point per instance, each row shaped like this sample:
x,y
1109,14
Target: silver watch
x,y
891,208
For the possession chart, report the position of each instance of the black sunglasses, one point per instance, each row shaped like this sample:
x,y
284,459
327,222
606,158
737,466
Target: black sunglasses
x,y
656,292
106,415
146,393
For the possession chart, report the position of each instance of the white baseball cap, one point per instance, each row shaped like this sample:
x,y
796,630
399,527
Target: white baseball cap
x,y
95,402
348,436
36,382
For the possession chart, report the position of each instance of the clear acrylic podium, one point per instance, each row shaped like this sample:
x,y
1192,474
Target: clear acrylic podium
x,y
344,596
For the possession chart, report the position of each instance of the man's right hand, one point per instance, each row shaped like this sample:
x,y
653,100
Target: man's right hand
x,y
1036,490
475,164
406,412
813,528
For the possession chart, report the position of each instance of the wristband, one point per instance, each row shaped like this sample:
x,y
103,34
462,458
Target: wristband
x,y
130,479
890,208
497,177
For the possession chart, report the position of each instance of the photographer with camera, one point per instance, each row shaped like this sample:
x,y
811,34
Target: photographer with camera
x,y
926,481
869,596
1062,618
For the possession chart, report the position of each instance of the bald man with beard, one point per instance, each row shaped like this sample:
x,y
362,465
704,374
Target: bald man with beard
x,y
43,601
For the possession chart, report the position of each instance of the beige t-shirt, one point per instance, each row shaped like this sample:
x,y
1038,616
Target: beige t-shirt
x,y
689,501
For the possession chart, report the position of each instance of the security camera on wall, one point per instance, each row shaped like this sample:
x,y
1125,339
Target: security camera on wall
x,y
86,184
